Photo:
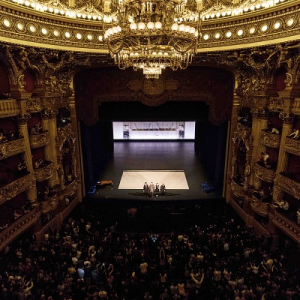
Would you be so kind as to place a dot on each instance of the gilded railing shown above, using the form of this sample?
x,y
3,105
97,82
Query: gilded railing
x,y
49,205
289,185
259,207
11,148
44,173
263,173
287,226
71,188
237,190
292,146
8,108
20,225
39,140
16,187
271,140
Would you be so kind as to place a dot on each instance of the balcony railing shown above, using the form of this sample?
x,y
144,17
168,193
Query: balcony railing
x,y
19,226
49,205
11,148
263,173
237,190
292,146
16,187
289,185
39,140
70,188
287,226
259,207
45,172
8,108
271,140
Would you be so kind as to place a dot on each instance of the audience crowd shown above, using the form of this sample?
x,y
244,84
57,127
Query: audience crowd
x,y
216,258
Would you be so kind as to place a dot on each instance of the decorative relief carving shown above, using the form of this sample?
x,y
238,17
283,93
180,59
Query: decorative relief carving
x,y
12,148
44,173
287,117
39,140
289,185
70,189
292,146
19,226
259,207
32,105
276,103
271,140
237,190
287,226
264,174
16,187
49,205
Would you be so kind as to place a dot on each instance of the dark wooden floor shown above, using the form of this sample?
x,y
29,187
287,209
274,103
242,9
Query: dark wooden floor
x,y
155,155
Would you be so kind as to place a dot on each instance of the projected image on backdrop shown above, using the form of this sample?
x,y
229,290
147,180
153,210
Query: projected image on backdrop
x,y
175,130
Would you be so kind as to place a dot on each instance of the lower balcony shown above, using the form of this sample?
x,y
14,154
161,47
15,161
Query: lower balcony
x,y
44,172
237,189
12,148
15,187
70,188
287,182
49,205
39,140
19,226
263,173
271,140
259,207
292,146
288,226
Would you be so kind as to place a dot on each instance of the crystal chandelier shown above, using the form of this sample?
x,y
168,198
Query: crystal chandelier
x,y
154,35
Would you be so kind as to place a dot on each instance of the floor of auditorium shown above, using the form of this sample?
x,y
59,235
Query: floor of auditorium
x,y
158,155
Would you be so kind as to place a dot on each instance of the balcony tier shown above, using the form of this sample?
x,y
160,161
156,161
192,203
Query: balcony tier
x,y
271,140
16,187
39,140
259,207
19,226
289,185
49,205
237,190
287,226
9,108
12,148
71,188
44,173
264,173
292,146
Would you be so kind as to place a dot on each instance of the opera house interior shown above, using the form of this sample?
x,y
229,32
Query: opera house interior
x,y
94,93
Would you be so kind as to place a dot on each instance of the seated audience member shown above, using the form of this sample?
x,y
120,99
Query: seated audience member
x,y
295,134
3,137
275,130
284,205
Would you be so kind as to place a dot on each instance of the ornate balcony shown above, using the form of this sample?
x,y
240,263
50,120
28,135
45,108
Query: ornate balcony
x,y
49,205
39,140
71,188
259,207
12,148
263,173
271,140
8,108
292,146
45,172
237,190
16,187
287,226
289,185
19,226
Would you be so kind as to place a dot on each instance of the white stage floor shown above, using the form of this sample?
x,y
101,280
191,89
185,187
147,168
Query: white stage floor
x,y
134,180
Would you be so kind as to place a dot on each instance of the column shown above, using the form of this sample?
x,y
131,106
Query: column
x,y
49,124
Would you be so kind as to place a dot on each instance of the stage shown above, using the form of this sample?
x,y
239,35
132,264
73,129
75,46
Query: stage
x,y
162,160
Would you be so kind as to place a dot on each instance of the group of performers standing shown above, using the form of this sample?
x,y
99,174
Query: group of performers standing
x,y
154,190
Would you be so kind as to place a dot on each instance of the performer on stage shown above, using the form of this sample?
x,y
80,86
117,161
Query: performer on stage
x,y
157,188
151,189
163,189
146,189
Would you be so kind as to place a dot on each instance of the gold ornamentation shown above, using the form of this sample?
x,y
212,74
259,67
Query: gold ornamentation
x,y
12,148
259,207
39,140
49,205
16,187
33,105
9,108
154,87
23,119
289,185
292,146
44,173
264,174
238,190
271,140
70,189
287,117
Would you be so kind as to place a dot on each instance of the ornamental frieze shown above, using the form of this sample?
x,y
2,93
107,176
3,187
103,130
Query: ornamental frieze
x,y
263,173
9,108
11,148
30,105
16,187
271,140
39,140
19,226
289,185
292,146
44,173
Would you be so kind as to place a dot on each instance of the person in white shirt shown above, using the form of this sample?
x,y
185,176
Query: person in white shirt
x,y
295,134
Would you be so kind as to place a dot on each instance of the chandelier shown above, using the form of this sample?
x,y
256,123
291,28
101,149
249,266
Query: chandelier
x,y
154,35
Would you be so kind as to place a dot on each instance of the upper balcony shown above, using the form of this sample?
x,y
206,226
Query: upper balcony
x,y
11,148
289,227
39,140
287,182
44,172
15,187
19,226
292,146
260,207
9,108
270,139
263,173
